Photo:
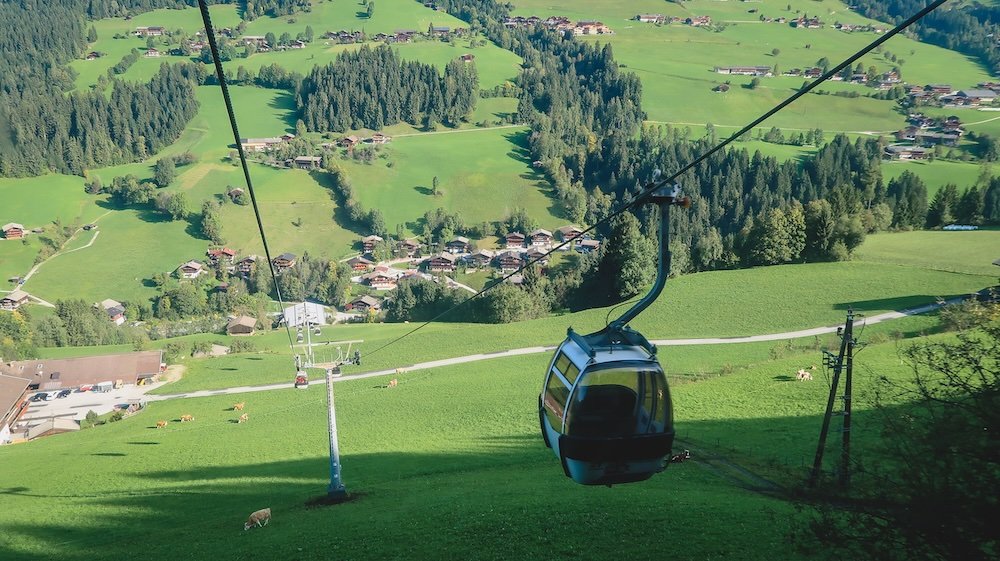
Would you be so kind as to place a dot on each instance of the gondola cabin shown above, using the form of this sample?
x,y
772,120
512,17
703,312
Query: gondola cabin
x,y
605,408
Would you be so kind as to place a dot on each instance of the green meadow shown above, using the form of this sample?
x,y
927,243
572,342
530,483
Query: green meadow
x,y
961,252
460,441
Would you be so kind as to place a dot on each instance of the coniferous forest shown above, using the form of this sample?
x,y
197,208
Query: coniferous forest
x,y
372,88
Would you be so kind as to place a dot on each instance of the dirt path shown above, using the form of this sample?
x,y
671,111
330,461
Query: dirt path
x,y
61,252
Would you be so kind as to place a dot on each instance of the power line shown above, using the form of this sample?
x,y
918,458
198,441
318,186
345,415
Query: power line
x,y
220,74
656,184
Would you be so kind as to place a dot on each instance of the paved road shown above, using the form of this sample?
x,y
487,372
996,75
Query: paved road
x,y
547,349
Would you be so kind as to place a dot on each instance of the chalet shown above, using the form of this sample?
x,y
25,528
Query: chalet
x,y
468,57
404,35
13,400
804,22
150,31
348,142
14,300
570,232
536,253
368,243
114,309
591,28
698,21
380,279
297,44
364,303
514,240
255,40
222,255
222,287
360,263
745,70
651,18
284,261
246,265
509,261
444,262
516,280
439,31
931,138
307,162
347,37
153,53
379,138
942,89
521,21
559,23
241,325
901,152
460,244
587,246
62,373
190,270
721,88
409,247
13,231
814,72
540,237
481,258
235,194
260,144
977,97
93,55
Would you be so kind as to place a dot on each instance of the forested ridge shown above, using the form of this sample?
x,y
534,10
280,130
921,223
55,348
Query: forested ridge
x,y
372,88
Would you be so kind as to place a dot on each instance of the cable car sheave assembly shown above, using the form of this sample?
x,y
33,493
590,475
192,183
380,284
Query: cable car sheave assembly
x,y
605,406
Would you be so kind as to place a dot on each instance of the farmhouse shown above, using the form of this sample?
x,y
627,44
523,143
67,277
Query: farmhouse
x,y
481,258
348,141
460,244
570,232
509,261
307,162
241,325
93,55
284,261
698,21
436,30
587,246
246,265
151,31
805,22
13,231
540,237
404,35
13,402
153,53
54,374
468,57
409,247
651,18
591,28
260,144
536,253
222,255
380,279
368,243
442,263
514,240
379,138
977,97
114,309
360,263
901,152
364,303
745,70
235,194
14,300
190,270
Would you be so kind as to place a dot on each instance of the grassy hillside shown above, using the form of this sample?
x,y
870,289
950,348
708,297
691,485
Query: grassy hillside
x,y
459,441
963,252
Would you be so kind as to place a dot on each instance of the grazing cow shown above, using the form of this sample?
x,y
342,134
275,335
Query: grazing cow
x,y
678,458
803,375
392,383
259,518
185,418
243,418
239,406
161,424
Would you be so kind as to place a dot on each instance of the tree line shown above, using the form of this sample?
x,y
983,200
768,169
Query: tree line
x,y
372,88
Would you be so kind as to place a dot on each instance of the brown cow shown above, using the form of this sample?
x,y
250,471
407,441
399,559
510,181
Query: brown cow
x,y
239,406
259,518
392,383
185,418
803,375
243,418
161,424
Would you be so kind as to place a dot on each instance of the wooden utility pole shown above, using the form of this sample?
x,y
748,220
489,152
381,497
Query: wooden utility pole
x,y
838,363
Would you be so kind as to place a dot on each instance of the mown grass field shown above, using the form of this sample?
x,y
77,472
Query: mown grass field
x,y
675,62
963,252
457,441
494,64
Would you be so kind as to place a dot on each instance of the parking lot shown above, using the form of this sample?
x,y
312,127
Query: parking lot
x,y
77,404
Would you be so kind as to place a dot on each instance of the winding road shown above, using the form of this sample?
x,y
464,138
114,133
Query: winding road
x,y
547,349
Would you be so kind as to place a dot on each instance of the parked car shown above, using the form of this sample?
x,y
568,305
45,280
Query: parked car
x,y
64,393
40,396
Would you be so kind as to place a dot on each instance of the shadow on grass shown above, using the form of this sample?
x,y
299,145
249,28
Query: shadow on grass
x,y
896,303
